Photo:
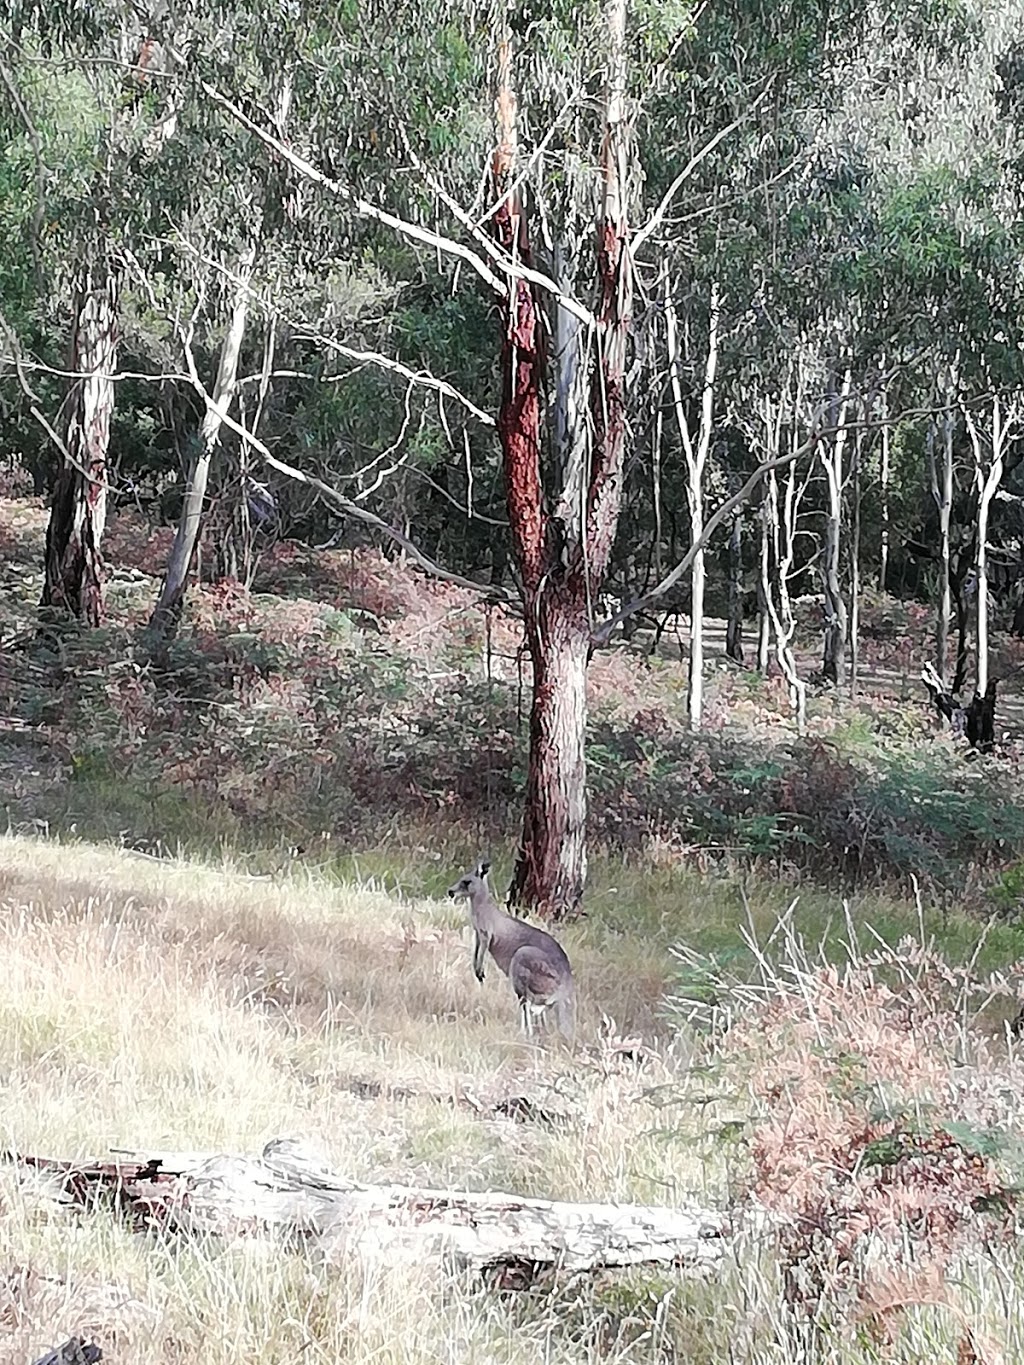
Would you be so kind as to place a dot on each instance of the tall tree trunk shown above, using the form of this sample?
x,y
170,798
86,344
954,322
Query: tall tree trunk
x,y
734,626
988,476
255,512
549,820
696,453
163,623
883,558
551,868
562,554
659,431
834,657
73,567
858,450
764,619
942,493
782,511
964,612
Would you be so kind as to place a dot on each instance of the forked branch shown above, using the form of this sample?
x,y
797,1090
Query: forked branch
x,y
342,504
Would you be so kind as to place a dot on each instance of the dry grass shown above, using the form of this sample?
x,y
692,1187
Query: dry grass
x,y
171,1006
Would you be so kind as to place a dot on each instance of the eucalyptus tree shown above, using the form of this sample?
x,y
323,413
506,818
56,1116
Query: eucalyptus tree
x,y
586,164
565,157
77,82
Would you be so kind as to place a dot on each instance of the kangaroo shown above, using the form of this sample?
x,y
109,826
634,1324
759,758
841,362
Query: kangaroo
x,y
531,959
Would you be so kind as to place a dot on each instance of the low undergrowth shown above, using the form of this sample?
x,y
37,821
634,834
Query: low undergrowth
x,y
879,1114
292,724
348,700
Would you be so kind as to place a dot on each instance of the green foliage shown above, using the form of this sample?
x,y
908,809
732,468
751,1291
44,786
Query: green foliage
x,y
1007,891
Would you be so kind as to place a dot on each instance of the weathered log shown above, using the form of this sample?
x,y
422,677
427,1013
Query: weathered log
x,y
291,1193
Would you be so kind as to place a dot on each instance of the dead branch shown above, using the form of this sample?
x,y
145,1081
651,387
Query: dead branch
x,y
604,632
304,332
73,1352
514,270
344,505
289,1192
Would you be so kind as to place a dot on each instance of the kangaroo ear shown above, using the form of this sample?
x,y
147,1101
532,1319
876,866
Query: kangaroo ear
x,y
484,868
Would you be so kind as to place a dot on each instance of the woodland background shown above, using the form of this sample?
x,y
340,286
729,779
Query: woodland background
x,y
589,435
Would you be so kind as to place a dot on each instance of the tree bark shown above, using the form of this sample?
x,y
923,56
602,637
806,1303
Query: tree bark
x,y
854,632
73,567
780,511
163,623
764,619
696,454
988,477
883,559
734,626
834,656
542,877
562,554
551,869
942,494
782,514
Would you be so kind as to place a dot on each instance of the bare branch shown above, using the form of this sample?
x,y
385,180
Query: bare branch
x,y
604,632
658,216
20,366
363,207
421,377
515,268
345,505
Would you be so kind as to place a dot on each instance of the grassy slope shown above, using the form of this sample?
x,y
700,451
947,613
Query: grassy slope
x,y
183,1006
186,1007
160,1005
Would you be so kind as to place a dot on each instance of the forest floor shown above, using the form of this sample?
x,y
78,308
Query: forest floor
x,y
222,921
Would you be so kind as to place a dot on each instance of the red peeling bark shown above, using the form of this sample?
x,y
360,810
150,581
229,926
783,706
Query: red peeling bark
x,y
562,558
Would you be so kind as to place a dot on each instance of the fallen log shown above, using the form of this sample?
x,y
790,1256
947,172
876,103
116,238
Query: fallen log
x,y
289,1192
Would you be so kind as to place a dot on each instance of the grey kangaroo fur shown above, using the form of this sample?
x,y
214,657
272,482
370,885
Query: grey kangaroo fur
x,y
532,960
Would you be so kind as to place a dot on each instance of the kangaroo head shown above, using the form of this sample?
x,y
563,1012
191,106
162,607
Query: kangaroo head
x,y
472,882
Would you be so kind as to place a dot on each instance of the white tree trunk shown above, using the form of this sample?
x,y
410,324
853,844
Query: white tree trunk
x,y
783,513
73,564
834,659
166,613
883,564
764,619
780,509
696,454
988,473
942,493
854,630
